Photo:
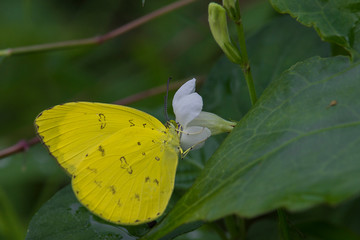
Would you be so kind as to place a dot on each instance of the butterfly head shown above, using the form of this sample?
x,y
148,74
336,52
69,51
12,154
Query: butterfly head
x,y
176,126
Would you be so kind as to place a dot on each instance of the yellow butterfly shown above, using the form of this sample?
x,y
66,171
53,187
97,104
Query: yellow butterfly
x,y
122,160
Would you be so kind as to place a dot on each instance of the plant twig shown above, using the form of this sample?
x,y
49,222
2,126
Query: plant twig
x,y
245,61
24,145
97,39
21,146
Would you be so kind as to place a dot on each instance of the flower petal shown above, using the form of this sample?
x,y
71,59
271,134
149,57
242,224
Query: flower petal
x,y
186,89
188,108
187,104
194,137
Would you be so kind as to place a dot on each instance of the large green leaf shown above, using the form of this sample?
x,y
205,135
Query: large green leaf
x,y
63,217
334,20
297,147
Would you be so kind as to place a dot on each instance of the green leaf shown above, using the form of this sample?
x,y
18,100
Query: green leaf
x,y
63,217
296,148
334,20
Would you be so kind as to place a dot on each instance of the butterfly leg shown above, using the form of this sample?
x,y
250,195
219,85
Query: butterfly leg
x,y
184,153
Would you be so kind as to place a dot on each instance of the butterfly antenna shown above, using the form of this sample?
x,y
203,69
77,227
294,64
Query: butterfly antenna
x,y
166,100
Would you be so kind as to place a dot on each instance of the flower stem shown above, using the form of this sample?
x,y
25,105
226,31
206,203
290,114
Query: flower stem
x,y
245,65
283,225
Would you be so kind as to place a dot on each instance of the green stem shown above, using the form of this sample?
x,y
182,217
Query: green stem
x,y
242,43
283,225
97,39
230,223
250,83
218,230
245,61
235,226
242,227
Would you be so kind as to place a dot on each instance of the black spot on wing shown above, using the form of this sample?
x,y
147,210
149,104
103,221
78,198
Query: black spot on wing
x,y
137,196
125,165
94,170
156,182
101,150
98,183
112,189
102,120
131,121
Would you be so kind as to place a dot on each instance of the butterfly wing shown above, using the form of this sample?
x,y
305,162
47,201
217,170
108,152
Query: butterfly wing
x,y
122,160
73,129
129,178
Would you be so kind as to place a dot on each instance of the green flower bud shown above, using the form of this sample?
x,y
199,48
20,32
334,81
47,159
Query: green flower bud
x,y
213,122
219,30
233,9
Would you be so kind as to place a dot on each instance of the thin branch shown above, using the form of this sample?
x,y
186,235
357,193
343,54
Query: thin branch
x,y
21,146
24,145
97,39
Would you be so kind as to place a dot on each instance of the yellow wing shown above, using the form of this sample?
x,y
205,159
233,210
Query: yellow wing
x,y
122,161
129,178
73,129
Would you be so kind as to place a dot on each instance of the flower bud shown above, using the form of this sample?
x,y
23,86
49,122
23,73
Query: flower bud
x,y
233,9
219,30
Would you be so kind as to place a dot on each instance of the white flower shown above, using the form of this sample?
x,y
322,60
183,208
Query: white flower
x,y
195,126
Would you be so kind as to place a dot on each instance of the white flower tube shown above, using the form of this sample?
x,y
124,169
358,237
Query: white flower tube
x,y
196,126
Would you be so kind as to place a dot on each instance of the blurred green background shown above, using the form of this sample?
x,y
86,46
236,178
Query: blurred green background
x,y
178,44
